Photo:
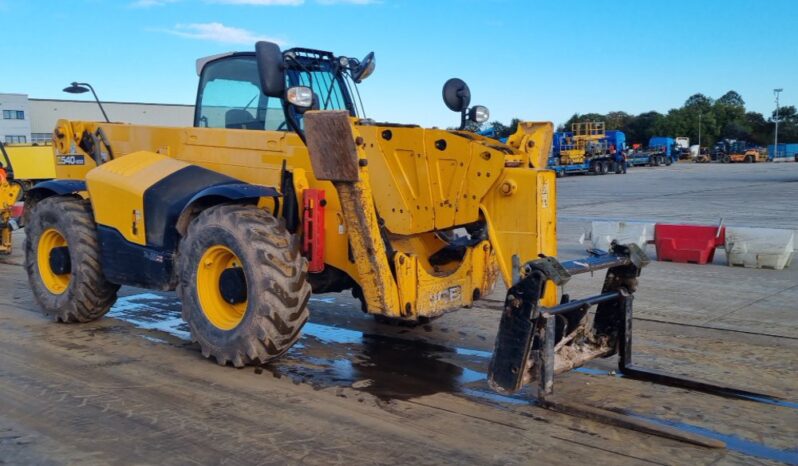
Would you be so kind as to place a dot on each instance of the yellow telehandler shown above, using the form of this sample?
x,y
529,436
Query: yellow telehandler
x,y
10,193
283,187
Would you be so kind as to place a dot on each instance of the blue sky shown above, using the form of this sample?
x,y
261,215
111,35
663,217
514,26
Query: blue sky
x,y
532,59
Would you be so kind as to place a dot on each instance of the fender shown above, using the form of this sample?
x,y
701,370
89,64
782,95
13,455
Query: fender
x,y
232,192
56,188
191,187
235,192
168,204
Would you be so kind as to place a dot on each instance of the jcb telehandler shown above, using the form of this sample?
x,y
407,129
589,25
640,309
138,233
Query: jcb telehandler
x,y
10,192
284,187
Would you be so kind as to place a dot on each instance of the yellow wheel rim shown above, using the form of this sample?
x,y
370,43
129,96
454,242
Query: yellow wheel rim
x,y
217,310
51,239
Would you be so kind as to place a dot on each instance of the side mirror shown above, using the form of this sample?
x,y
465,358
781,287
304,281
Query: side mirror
x,y
365,69
456,95
270,68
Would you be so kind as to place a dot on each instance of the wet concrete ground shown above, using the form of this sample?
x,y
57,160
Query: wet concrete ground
x,y
132,388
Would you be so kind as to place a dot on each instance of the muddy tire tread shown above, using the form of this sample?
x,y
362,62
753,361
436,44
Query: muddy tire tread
x,y
275,315
89,295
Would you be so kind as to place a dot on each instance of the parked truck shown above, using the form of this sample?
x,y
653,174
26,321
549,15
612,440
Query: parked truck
x,y
587,149
785,151
660,151
681,148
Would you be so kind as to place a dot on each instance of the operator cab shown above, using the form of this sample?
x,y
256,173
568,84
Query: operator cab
x,y
270,90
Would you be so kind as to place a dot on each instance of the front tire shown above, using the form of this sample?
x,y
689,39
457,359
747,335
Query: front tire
x,y
243,285
62,260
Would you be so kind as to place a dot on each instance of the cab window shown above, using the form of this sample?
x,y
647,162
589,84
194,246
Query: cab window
x,y
230,97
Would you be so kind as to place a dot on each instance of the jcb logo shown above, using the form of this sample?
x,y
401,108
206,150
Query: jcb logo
x,y
449,295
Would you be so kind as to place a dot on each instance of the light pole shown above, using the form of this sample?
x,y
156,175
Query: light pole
x,y
776,135
80,88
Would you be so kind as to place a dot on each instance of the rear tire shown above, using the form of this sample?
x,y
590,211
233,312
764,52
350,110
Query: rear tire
x,y
264,320
62,259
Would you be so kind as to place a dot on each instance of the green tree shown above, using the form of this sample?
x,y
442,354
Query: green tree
x,y
577,118
788,124
725,117
732,99
640,129
760,130
500,130
617,120
729,113
698,101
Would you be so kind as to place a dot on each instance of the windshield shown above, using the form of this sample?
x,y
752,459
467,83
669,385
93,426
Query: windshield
x,y
330,82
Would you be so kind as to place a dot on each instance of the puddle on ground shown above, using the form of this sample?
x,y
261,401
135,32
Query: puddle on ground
x,y
152,312
388,368
733,442
392,368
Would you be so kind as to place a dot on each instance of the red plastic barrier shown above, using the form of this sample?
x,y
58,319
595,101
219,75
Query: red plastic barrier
x,y
687,243
17,209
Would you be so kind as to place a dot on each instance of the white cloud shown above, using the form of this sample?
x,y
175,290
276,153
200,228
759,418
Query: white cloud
x,y
261,2
218,32
149,3
153,3
348,2
288,2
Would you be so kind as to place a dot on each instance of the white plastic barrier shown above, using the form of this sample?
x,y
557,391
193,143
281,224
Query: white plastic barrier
x,y
759,247
602,233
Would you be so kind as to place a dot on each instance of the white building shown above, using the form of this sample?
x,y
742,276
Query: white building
x,y
26,120
15,125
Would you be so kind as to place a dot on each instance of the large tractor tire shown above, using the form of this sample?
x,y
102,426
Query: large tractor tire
x,y
243,285
62,259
